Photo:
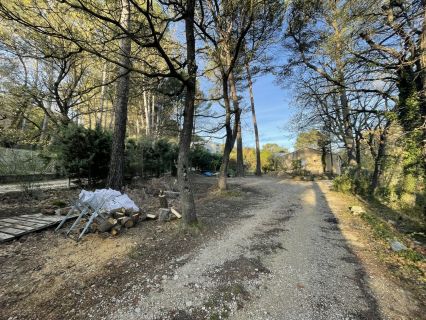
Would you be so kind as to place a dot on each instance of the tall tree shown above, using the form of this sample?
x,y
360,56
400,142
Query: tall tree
x,y
116,166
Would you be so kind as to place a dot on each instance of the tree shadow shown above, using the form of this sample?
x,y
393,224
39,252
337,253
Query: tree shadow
x,y
331,232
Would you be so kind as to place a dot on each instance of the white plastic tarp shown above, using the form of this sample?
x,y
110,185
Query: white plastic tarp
x,y
107,200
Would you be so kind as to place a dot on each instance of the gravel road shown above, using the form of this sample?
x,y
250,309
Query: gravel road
x,y
284,259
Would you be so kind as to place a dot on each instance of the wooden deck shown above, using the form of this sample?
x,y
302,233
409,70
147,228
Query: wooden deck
x,y
14,227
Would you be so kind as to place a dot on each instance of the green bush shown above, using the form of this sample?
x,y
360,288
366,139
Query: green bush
x,y
83,153
148,158
204,160
343,183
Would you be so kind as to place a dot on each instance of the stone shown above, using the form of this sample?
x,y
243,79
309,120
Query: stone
x,y
356,210
397,246
392,223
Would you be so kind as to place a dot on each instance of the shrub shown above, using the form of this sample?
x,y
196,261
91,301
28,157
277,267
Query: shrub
x,y
343,183
202,159
83,153
147,157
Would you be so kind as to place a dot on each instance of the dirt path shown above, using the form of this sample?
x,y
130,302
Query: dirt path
x,y
286,258
43,185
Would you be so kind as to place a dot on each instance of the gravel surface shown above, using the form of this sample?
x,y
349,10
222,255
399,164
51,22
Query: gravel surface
x,y
284,259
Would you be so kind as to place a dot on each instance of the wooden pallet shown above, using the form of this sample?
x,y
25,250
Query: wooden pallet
x,y
14,227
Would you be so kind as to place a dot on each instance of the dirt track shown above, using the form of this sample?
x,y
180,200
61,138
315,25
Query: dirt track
x,y
286,258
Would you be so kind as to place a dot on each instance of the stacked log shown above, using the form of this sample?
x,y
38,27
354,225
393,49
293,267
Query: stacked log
x,y
116,221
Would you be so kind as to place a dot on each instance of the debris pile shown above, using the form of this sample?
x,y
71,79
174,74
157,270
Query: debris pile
x,y
108,210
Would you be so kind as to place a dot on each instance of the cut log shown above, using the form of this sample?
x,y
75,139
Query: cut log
x,y
176,213
171,194
118,214
129,224
106,225
163,201
94,227
129,212
151,216
116,230
142,216
122,220
135,217
164,214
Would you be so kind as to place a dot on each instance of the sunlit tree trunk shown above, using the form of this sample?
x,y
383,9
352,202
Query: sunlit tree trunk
x,y
147,114
254,120
235,102
102,101
231,134
115,175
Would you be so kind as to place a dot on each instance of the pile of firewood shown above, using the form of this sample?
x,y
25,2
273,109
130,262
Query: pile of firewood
x,y
115,221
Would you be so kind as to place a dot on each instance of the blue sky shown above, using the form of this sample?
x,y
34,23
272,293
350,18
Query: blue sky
x,y
273,112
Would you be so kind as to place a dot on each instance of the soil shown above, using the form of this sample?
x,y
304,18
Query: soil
x,y
267,249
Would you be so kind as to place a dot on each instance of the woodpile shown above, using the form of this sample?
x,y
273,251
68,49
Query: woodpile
x,y
116,221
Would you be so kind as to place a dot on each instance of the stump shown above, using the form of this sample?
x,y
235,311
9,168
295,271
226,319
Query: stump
x,y
163,201
164,214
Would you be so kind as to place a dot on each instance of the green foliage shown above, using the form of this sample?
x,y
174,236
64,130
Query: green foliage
x,y
269,156
203,160
149,158
310,139
343,183
83,153
381,229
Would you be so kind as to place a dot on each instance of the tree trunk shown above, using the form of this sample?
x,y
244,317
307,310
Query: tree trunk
x,y
147,114
423,87
101,107
240,156
115,175
49,103
253,116
378,160
231,134
358,150
184,178
153,111
236,104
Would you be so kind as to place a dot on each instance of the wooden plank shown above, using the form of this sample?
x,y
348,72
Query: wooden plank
x,y
18,226
42,217
24,222
4,236
11,228
12,231
175,212
38,219
35,223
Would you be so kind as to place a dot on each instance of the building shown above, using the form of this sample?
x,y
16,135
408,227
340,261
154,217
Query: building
x,y
310,160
